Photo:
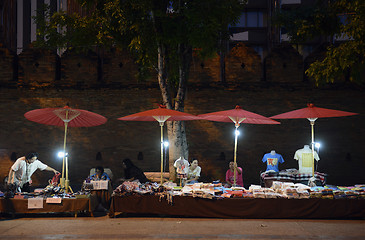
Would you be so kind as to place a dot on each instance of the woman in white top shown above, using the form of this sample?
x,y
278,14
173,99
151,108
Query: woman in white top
x,y
193,172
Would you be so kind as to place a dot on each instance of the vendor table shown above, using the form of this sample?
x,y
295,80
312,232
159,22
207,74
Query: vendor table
x,y
13,206
268,178
100,196
239,207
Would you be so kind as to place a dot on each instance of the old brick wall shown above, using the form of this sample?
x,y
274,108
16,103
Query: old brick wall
x,y
7,59
80,70
211,142
243,65
36,68
119,68
204,72
284,64
342,138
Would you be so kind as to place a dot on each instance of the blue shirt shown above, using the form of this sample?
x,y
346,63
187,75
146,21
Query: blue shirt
x,y
104,176
272,161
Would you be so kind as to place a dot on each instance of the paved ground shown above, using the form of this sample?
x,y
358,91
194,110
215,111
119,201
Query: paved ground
x,y
138,227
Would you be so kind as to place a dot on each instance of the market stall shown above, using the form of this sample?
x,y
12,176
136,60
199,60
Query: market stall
x,y
267,178
281,200
239,207
45,205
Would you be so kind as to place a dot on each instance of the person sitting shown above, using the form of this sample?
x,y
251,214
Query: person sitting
x,y
230,175
99,174
103,197
132,172
193,172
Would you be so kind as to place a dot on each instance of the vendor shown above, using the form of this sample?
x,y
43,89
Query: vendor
x,y
230,175
22,170
99,174
132,172
193,172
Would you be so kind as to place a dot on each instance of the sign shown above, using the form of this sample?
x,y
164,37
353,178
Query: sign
x,y
35,203
100,185
54,200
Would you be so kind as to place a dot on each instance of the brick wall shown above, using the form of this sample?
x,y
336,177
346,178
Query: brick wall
x,y
342,138
243,65
80,70
284,64
211,142
6,67
37,68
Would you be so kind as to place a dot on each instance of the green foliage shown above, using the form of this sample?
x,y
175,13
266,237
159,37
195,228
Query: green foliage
x,y
141,26
307,22
64,31
324,19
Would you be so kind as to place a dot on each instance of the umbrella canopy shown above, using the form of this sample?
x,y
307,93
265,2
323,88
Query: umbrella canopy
x,y
312,113
237,116
65,117
161,115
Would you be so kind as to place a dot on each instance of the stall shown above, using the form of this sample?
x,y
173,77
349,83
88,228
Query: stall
x,y
281,200
267,178
188,206
44,205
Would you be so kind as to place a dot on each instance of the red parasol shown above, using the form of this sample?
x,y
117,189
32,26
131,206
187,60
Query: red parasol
x,y
312,113
65,117
161,115
237,116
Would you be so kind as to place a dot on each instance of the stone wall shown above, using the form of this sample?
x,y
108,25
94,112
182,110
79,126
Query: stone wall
x,y
110,88
284,64
37,68
243,65
342,138
42,68
7,59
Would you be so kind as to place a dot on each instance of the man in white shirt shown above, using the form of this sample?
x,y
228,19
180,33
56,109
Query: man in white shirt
x,y
22,170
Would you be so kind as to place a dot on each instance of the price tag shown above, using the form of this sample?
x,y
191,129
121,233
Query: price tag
x,y
100,184
54,200
35,203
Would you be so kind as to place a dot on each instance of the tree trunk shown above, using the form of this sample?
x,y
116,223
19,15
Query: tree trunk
x,y
176,130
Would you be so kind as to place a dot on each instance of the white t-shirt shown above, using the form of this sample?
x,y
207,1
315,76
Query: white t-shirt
x,y
24,171
182,166
305,160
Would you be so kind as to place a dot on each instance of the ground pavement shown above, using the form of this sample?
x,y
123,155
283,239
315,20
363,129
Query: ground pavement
x,y
152,227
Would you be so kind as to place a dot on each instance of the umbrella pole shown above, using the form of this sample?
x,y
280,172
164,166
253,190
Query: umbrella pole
x,y
161,126
235,156
62,180
67,181
312,130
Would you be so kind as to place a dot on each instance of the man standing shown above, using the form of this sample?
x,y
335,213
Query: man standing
x,y
22,170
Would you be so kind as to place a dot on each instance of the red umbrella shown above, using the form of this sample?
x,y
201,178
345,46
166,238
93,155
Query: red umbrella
x,y
312,113
161,115
65,117
237,116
